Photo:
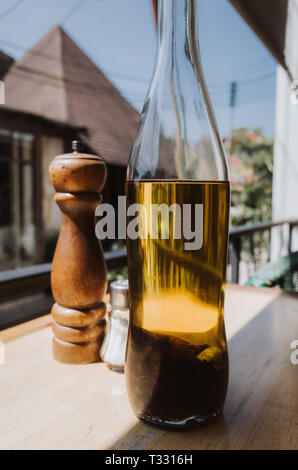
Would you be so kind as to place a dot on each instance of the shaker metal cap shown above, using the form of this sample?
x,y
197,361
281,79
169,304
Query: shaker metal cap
x,y
119,294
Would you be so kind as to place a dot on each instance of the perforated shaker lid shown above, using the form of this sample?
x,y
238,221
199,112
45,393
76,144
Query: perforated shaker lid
x,y
119,294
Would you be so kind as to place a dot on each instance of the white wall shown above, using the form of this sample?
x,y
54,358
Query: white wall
x,y
285,184
51,147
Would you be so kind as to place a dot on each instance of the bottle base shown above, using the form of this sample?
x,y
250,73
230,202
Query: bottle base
x,y
191,421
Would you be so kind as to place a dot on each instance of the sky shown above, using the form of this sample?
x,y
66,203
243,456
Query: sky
x,y
119,36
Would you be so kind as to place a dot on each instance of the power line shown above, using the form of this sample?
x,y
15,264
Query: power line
x,y
53,77
247,81
244,94
242,102
213,88
83,66
94,90
10,10
86,86
93,69
144,81
255,100
243,68
76,87
91,91
252,65
258,79
72,11
72,62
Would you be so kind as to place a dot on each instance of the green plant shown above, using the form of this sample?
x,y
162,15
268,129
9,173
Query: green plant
x,y
251,167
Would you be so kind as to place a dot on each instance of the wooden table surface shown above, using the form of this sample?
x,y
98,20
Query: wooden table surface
x,y
47,405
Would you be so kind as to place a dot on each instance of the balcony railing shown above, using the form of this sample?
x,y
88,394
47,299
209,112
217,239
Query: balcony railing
x,y
247,233
30,281
25,293
26,281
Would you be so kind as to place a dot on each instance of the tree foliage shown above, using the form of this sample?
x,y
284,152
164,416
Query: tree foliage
x,y
251,167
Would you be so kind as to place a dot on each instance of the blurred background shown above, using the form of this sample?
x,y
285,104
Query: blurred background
x,y
81,69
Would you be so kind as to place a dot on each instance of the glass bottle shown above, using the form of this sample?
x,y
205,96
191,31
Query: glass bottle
x,y
177,360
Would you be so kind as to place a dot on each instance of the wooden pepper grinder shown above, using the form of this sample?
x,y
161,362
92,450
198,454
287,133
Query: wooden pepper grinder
x,y
79,276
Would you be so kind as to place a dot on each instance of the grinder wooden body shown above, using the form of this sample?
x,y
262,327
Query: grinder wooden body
x,y
79,278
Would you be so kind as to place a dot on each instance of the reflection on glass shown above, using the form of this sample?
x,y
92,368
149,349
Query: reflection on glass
x,y
177,360
17,231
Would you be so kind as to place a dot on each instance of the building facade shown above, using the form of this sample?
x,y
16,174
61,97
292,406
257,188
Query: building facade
x,y
54,94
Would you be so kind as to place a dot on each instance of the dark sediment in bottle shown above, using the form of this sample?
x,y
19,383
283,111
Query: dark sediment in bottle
x,y
171,381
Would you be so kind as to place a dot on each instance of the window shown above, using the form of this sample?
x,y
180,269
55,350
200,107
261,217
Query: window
x,y
17,230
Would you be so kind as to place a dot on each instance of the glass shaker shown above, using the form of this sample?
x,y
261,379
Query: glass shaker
x,y
114,344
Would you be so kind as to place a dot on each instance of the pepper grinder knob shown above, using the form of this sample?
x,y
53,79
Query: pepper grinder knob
x,y
76,146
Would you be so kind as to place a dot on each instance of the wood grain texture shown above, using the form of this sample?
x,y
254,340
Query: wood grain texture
x,y
25,328
48,405
79,275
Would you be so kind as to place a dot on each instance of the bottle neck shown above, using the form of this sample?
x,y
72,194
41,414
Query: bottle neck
x,y
178,136
178,38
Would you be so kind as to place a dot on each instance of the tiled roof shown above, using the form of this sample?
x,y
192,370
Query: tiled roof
x,y
5,63
57,80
